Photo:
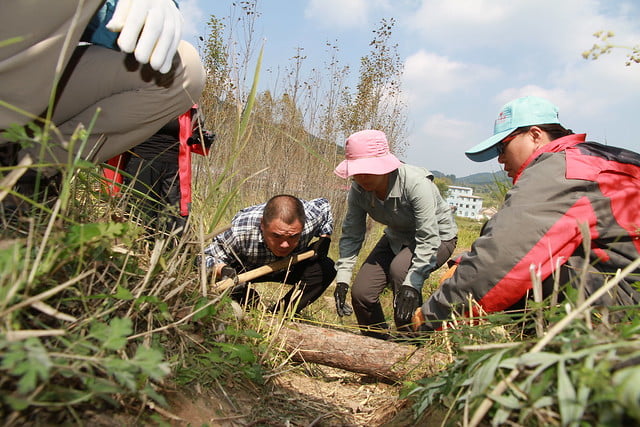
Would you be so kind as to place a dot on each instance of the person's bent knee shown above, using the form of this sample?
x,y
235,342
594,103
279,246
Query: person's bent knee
x,y
361,295
194,74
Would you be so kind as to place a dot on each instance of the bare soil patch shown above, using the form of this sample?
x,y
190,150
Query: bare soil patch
x,y
310,395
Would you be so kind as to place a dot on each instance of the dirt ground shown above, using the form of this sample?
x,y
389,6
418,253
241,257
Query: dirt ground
x,y
321,396
303,395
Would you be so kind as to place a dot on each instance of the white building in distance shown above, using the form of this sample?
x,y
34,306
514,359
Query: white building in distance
x,y
463,202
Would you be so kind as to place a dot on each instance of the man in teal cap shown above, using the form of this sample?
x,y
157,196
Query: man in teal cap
x,y
560,184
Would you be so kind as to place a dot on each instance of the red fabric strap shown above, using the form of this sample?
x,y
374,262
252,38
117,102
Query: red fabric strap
x,y
113,178
184,162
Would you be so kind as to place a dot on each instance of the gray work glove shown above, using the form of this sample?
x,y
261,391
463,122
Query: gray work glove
x,y
340,295
407,300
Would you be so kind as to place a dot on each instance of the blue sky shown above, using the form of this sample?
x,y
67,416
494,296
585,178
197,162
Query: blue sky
x,y
464,59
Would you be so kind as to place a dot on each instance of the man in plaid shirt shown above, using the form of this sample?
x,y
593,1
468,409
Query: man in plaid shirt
x,y
267,232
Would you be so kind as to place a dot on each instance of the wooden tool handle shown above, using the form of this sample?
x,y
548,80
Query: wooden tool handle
x,y
265,269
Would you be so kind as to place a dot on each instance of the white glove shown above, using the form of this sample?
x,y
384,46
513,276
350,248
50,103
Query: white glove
x,y
151,29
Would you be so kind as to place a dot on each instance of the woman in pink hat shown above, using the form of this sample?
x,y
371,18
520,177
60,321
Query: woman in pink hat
x,y
420,234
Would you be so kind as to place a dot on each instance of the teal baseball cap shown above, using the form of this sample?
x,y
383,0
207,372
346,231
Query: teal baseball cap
x,y
525,111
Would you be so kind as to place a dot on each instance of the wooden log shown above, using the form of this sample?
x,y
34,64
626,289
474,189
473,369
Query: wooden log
x,y
384,360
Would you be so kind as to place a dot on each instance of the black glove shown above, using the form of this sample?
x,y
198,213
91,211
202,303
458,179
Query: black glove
x,y
228,272
321,247
205,139
407,300
340,295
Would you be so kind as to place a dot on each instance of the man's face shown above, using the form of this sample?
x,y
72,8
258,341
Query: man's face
x,y
281,238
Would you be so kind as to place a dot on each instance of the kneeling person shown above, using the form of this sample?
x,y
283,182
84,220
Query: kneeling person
x,y
561,183
267,232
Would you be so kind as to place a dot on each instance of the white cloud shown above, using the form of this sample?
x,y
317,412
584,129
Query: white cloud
x,y
442,128
338,13
517,28
432,13
345,14
553,95
194,19
428,75
441,137
460,24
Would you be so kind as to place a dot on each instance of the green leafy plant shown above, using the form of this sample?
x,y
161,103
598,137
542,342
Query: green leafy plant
x,y
40,367
573,374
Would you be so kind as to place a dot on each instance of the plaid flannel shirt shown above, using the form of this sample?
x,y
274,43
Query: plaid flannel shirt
x,y
243,246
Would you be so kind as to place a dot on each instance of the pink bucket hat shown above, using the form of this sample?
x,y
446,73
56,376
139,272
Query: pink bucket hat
x,y
367,152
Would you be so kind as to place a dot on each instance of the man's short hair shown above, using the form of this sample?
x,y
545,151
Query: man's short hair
x,y
285,207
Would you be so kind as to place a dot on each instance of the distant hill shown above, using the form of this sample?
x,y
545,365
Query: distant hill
x,y
482,178
477,179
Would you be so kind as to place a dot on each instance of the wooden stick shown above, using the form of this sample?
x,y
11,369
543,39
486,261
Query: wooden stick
x,y
265,269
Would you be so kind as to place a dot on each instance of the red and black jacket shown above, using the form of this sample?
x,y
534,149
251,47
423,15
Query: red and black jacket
x,y
564,184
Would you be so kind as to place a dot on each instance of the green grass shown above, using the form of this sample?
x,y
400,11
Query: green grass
x,y
580,367
468,232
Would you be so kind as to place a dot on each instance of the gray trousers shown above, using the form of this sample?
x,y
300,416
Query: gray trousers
x,y
134,101
381,269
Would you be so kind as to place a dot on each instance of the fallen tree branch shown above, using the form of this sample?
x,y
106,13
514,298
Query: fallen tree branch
x,y
384,360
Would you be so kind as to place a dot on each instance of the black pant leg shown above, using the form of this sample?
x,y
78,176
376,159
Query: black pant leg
x,y
311,277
